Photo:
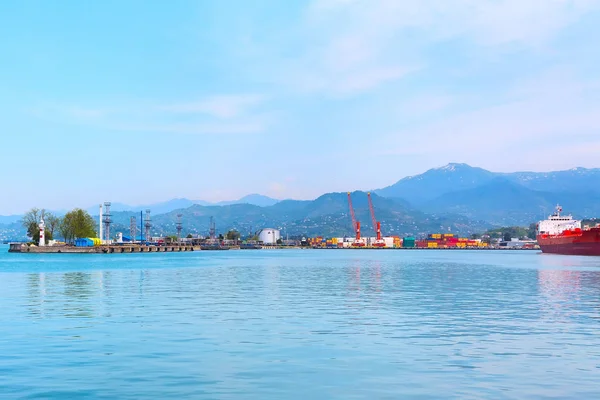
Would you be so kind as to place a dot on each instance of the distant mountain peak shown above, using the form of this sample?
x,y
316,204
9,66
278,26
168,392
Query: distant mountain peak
x,y
453,167
254,199
433,182
579,169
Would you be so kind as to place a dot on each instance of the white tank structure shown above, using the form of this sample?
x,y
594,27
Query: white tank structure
x,y
269,236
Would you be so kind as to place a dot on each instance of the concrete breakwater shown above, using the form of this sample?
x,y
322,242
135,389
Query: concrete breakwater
x,y
105,249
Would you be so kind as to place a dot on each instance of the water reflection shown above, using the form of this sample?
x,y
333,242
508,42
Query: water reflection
x,y
36,290
559,285
568,294
558,261
70,294
364,279
354,283
260,322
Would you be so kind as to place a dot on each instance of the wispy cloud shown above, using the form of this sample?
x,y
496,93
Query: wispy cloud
x,y
220,114
219,128
549,113
68,112
222,106
482,21
344,48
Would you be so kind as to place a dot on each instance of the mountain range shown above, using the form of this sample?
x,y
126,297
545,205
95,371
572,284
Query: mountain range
x,y
517,198
180,203
327,215
455,197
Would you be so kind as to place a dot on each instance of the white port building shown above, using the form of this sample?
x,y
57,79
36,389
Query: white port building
x,y
269,236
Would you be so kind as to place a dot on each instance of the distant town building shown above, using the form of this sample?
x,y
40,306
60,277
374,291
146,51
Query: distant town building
x,y
517,244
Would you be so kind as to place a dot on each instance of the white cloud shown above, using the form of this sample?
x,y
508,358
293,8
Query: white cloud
x,y
483,21
220,114
352,46
540,120
68,112
223,106
246,126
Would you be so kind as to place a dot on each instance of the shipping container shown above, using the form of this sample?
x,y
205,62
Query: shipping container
x,y
84,242
409,242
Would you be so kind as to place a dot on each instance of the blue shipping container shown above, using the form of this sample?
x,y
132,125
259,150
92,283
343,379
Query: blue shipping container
x,y
84,242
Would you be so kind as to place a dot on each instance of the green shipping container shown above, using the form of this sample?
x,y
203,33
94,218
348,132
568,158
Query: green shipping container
x,y
408,242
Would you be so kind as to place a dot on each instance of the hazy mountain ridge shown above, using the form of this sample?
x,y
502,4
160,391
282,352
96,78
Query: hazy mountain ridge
x,y
435,182
457,197
9,219
518,198
327,215
455,177
181,203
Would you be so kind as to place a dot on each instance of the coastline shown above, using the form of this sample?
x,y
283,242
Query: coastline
x,y
112,249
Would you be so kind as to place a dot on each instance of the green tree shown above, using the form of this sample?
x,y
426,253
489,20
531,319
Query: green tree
x,y
507,236
532,231
31,222
52,223
189,236
221,236
77,224
233,235
279,241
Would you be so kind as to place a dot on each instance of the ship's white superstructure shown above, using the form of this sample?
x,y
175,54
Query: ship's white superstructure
x,y
557,224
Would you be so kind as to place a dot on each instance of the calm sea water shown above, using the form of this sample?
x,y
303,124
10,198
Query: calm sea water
x,y
304,324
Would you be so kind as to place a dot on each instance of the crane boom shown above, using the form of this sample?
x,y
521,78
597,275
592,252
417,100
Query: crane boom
x,y
352,212
376,224
373,220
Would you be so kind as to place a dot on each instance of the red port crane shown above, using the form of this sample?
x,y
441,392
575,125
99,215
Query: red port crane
x,y
379,242
358,242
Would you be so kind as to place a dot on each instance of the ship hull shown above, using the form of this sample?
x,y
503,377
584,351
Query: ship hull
x,y
584,243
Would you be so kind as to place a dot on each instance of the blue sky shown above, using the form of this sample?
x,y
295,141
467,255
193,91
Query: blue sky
x,y
138,102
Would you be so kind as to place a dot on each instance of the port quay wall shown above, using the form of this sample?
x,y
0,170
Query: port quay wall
x,y
19,248
100,249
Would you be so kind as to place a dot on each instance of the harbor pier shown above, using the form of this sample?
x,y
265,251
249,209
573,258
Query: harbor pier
x,y
103,249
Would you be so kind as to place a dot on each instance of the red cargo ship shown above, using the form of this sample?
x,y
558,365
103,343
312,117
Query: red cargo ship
x,y
564,235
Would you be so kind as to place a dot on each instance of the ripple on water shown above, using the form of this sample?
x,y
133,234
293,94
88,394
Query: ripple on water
x,y
300,324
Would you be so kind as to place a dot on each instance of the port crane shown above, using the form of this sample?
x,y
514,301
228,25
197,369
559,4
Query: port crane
x,y
379,242
358,242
